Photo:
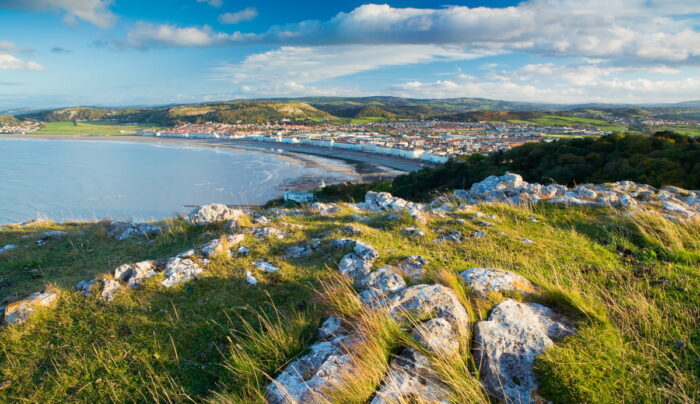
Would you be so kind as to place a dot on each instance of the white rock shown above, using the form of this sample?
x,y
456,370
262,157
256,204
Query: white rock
x,y
413,267
250,278
180,270
325,209
109,288
85,287
506,346
8,248
484,280
213,213
125,230
265,266
410,380
437,335
379,284
354,267
18,312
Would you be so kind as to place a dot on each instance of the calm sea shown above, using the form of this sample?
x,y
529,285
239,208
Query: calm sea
x,y
65,180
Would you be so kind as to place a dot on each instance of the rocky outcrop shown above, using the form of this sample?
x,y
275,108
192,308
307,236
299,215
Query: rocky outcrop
x,y
506,345
179,270
212,214
18,312
220,246
262,233
265,266
300,251
484,280
410,380
325,209
134,274
385,202
511,188
413,268
379,284
125,230
358,264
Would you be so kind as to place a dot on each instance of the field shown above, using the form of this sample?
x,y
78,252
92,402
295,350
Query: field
x,y
688,130
90,128
630,281
556,120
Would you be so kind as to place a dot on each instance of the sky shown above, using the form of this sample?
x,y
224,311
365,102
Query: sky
x,y
57,53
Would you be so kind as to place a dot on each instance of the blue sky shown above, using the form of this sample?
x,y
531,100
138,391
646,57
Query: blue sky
x,y
133,52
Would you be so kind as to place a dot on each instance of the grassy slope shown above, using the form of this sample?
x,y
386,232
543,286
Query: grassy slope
x,y
89,128
632,282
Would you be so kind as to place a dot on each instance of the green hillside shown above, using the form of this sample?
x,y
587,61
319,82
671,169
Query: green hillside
x,y
7,119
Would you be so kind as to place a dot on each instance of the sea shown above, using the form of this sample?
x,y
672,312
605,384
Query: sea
x,y
82,180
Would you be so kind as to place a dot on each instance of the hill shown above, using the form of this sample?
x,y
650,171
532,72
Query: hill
x,y
8,119
603,301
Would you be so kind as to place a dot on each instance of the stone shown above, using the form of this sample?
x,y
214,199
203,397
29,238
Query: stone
x,y
342,243
413,268
300,251
365,251
505,348
676,208
85,287
384,201
261,220
379,284
428,301
354,267
265,266
250,279
325,209
18,312
125,230
134,274
485,280
309,378
109,288
179,270
451,236
212,214
351,230
410,380
262,233
8,248
331,328
412,232
243,250
187,254
533,219
221,245
438,336
526,240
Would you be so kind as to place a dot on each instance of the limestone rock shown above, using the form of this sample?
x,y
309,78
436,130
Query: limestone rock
x,y
262,233
134,274
451,236
354,267
506,346
365,251
212,214
109,288
379,284
180,270
265,266
409,380
413,232
8,248
325,209
309,378
250,278
50,235
18,312
413,267
429,301
437,335
384,201
124,230
331,328
219,246
484,280
86,287
300,251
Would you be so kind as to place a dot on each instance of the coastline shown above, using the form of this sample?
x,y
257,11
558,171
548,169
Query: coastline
x,y
356,166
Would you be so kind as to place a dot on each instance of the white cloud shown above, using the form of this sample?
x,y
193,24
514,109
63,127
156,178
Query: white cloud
x,y
213,3
291,67
145,35
93,11
246,14
7,46
9,62
623,30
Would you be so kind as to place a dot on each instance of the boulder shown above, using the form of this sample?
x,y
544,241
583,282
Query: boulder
x,y
212,214
428,301
410,380
331,328
86,287
300,251
379,284
180,270
265,266
134,274
309,378
109,288
412,232
437,335
506,346
413,268
18,312
451,236
220,245
325,209
365,251
250,278
354,267
125,230
8,248
384,201
484,280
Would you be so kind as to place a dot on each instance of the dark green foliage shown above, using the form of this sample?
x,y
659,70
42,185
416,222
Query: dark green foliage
x,y
665,158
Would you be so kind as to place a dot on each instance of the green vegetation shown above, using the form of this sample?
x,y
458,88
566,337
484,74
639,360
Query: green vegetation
x,y
90,128
7,119
631,282
665,158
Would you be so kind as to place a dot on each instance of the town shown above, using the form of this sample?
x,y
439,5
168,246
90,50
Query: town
x,y
432,141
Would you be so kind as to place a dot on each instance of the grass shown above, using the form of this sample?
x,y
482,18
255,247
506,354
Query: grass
x,y
558,120
631,283
91,128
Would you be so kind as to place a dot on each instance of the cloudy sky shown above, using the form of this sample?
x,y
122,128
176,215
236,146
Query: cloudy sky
x,y
128,52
